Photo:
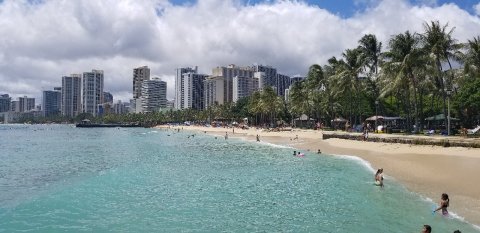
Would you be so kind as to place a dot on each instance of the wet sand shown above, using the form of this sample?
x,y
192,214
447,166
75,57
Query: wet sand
x,y
427,170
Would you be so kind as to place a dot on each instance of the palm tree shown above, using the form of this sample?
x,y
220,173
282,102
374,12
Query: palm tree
x,y
371,50
297,99
471,58
441,46
347,80
313,85
402,70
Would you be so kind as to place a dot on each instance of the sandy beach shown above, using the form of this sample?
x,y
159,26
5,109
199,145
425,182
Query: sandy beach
x,y
427,170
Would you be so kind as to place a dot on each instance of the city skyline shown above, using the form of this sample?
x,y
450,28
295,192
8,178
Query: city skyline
x,y
289,35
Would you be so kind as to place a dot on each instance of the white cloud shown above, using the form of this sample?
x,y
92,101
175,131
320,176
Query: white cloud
x,y
477,8
43,41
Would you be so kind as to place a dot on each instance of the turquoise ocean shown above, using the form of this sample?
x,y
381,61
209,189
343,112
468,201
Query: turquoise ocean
x,y
58,178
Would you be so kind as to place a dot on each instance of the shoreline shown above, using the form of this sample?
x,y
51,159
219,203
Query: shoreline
x,y
426,170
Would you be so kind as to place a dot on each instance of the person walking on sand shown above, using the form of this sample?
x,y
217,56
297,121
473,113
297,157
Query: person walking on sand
x,y
444,203
258,138
379,177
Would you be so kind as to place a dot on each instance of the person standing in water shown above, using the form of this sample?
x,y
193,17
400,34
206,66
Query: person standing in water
x,y
258,138
444,203
226,135
379,177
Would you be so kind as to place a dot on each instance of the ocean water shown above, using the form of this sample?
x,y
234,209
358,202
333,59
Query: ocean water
x,y
57,178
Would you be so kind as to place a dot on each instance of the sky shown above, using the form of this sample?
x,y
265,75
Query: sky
x,y
43,40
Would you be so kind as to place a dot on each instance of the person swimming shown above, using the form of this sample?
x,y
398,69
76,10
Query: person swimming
x,y
379,177
444,203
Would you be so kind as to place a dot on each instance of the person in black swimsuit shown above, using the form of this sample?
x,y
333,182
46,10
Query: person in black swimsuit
x,y
444,203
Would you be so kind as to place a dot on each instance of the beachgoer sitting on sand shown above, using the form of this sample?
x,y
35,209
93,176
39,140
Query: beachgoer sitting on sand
x,y
379,177
427,229
444,203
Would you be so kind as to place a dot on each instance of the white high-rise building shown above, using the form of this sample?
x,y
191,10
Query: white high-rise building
x,y
140,74
154,95
193,90
71,95
92,91
180,87
243,87
214,91
24,104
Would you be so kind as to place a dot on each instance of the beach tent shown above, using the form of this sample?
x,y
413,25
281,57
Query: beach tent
x,y
437,122
303,121
339,123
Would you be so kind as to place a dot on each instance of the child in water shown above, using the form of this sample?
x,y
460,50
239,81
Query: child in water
x,y
444,203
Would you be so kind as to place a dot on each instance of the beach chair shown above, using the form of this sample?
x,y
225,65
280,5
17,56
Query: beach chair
x,y
473,131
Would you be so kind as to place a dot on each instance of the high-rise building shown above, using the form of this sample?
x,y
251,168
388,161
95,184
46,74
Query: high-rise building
x,y
140,74
193,90
132,106
25,104
154,95
180,85
170,104
227,73
51,103
296,78
293,80
71,104
92,91
283,83
119,108
269,76
107,97
214,91
243,87
15,106
5,101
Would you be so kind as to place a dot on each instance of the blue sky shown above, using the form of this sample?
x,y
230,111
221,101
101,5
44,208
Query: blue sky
x,y
347,8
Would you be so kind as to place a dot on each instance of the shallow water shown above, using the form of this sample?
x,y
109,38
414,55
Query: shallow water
x,y
59,178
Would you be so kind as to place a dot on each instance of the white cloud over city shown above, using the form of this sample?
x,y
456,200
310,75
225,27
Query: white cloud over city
x,y
44,40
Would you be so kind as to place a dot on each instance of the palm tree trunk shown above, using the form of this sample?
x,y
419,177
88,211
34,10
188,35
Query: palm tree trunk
x,y
444,95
